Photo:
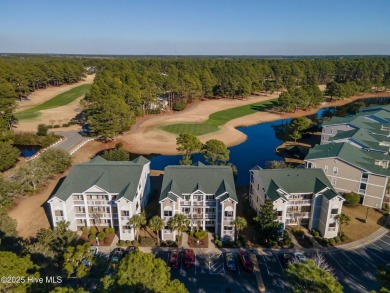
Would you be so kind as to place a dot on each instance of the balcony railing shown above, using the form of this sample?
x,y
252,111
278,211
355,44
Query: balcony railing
x,y
229,232
210,216
60,218
125,218
80,215
97,202
297,215
167,231
332,229
185,203
280,218
211,203
197,203
228,218
197,216
167,218
300,202
364,180
362,191
126,231
78,202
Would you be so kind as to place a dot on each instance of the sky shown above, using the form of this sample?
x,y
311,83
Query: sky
x,y
197,27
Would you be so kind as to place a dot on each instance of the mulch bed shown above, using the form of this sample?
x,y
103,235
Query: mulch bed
x,y
193,242
106,241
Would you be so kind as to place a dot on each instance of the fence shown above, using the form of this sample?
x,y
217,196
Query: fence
x,y
75,149
45,149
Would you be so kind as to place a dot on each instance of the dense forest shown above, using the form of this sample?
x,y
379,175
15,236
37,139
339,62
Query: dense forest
x,y
126,88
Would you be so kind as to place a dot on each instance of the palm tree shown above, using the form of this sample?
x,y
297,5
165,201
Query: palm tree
x,y
240,223
137,221
179,223
341,220
157,224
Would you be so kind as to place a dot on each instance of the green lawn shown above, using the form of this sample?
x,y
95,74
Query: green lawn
x,y
57,101
219,118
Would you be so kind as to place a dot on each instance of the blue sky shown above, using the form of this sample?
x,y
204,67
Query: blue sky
x,y
197,27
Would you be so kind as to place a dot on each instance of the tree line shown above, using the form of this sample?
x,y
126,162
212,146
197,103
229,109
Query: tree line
x,y
126,88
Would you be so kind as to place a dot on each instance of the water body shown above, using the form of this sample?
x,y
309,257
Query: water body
x,y
28,150
262,141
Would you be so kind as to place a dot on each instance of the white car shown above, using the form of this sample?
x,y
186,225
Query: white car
x,y
299,257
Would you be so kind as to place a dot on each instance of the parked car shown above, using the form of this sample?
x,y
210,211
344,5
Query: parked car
x,y
299,257
231,263
116,255
189,258
174,259
246,261
287,258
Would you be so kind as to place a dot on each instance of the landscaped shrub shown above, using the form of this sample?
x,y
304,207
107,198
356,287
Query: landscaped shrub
x,y
93,230
332,241
147,241
343,238
386,207
337,239
101,236
298,232
179,105
128,242
92,237
192,232
134,242
42,130
56,126
121,243
85,230
106,230
201,234
219,243
273,243
352,199
314,232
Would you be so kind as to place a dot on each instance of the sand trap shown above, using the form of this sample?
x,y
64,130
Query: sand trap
x,y
146,137
59,115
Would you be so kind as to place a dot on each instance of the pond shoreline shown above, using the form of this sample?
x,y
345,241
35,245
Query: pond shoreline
x,y
150,139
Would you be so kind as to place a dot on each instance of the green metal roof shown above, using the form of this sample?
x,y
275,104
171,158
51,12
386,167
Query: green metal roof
x,y
358,157
338,120
121,177
294,181
343,134
187,179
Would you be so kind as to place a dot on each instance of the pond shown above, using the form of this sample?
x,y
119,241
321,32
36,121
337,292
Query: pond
x,y
28,150
262,141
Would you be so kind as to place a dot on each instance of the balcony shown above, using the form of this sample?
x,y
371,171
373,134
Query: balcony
x,y
228,232
185,203
211,203
78,202
364,180
362,191
60,218
167,218
300,202
167,231
280,218
197,216
228,219
97,202
197,203
80,215
332,229
125,218
126,231
210,216
301,215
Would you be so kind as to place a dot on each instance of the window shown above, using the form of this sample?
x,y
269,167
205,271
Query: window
x,y
334,211
210,197
257,199
186,210
332,224
258,186
210,210
326,169
210,223
308,165
252,180
228,213
228,228
334,180
167,213
331,130
335,170
280,213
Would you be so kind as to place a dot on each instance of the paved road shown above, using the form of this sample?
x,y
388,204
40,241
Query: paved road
x,y
71,139
355,269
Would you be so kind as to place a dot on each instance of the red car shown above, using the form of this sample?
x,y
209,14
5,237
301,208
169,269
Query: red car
x,y
189,258
246,261
174,259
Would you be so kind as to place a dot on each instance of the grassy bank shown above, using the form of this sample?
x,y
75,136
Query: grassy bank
x,y
58,101
219,118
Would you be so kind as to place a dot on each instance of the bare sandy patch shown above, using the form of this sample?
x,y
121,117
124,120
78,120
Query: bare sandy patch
x,y
148,138
40,96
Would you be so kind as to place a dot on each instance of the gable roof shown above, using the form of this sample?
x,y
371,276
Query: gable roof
x,y
294,181
360,158
121,177
187,179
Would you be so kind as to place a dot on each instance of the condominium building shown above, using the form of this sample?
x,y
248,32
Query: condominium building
x,y
102,193
349,168
300,196
205,194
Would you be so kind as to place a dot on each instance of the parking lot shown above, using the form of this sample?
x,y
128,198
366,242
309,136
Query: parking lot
x,y
355,269
209,274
